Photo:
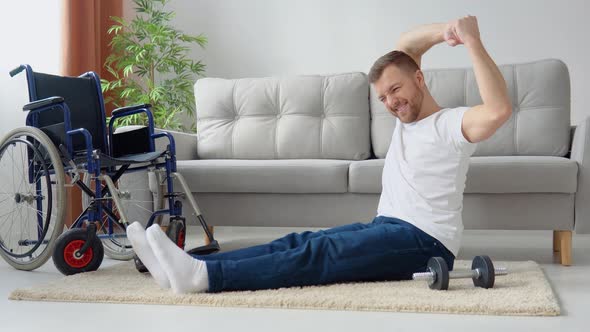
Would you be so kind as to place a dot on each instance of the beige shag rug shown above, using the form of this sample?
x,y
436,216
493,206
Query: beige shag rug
x,y
525,291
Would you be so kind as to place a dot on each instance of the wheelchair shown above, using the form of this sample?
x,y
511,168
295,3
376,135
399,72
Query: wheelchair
x,y
66,139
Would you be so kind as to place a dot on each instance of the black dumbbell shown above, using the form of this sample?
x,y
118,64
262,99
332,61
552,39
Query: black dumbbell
x,y
482,273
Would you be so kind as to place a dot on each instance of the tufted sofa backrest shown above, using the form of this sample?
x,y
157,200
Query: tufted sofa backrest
x,y
303,117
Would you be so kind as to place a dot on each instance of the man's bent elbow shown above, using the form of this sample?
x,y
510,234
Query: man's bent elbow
x,y
500,114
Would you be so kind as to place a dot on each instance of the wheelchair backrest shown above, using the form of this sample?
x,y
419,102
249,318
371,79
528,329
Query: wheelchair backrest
x,y
84,99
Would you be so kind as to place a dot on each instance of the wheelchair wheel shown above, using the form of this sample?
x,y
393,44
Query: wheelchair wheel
x,y
32,197
67,258
139,198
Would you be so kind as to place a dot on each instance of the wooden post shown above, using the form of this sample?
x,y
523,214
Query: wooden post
x,y
562,244
556,244
565,239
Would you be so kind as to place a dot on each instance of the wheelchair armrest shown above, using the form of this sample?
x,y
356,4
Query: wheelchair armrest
x,y
130,110
122,110
52,104
88,140
42,103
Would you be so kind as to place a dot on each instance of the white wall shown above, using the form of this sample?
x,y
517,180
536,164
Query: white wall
x,y
257,38
254,38
31,34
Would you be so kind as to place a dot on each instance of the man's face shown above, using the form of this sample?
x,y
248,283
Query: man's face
x,y
400,92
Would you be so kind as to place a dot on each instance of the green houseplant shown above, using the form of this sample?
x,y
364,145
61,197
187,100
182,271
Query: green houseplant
x,y
150,65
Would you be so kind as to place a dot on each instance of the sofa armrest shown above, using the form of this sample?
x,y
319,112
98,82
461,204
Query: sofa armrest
x,y
580,152
186,144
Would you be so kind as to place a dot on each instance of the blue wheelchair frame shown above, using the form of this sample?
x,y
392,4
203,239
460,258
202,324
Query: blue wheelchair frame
x,y
93,165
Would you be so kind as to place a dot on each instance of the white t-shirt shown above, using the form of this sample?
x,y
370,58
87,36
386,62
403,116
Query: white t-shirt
x,y
424,175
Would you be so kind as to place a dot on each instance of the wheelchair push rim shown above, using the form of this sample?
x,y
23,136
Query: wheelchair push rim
x,y
32,197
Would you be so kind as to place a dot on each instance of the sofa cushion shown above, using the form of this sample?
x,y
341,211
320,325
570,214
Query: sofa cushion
x,y
502,174
266,176
524,174
540,121
297,117
365,176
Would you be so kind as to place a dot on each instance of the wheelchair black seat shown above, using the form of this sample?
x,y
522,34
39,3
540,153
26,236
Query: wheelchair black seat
x,y
138,158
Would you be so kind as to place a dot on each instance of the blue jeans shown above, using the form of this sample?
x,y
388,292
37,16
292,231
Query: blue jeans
x,y
383,249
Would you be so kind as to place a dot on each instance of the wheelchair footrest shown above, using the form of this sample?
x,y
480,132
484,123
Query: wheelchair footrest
x,y
206,249
139,265
203,250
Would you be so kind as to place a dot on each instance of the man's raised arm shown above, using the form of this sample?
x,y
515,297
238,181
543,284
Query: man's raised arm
x,y
421,38
481,121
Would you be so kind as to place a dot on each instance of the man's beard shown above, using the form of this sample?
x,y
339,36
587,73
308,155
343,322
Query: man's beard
x,y
415,104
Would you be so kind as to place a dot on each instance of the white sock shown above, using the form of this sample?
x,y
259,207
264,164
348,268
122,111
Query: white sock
x,y
137,236
186,274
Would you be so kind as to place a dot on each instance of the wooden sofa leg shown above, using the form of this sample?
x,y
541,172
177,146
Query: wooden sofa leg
x,y
556,242
206,237
565,247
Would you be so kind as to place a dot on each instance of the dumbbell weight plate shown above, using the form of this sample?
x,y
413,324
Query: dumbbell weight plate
x,y
487,274
439,267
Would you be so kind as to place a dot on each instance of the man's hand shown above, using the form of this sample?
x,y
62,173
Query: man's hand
x,y
461,31
421,38
467,29
450,35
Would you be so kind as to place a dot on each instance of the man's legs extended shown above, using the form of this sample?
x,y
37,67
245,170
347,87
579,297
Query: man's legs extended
x,y
387,249
286,242
138,237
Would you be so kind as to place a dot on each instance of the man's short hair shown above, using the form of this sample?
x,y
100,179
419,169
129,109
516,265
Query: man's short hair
x,y
397,58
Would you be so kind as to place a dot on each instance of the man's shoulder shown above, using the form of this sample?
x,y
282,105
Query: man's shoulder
x,y
449,116
450,111
449,123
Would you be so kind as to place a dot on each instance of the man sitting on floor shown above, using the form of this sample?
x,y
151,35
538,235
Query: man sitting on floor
x,y
419,212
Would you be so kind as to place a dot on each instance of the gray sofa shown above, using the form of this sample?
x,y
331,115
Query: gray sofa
x,y
309,151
